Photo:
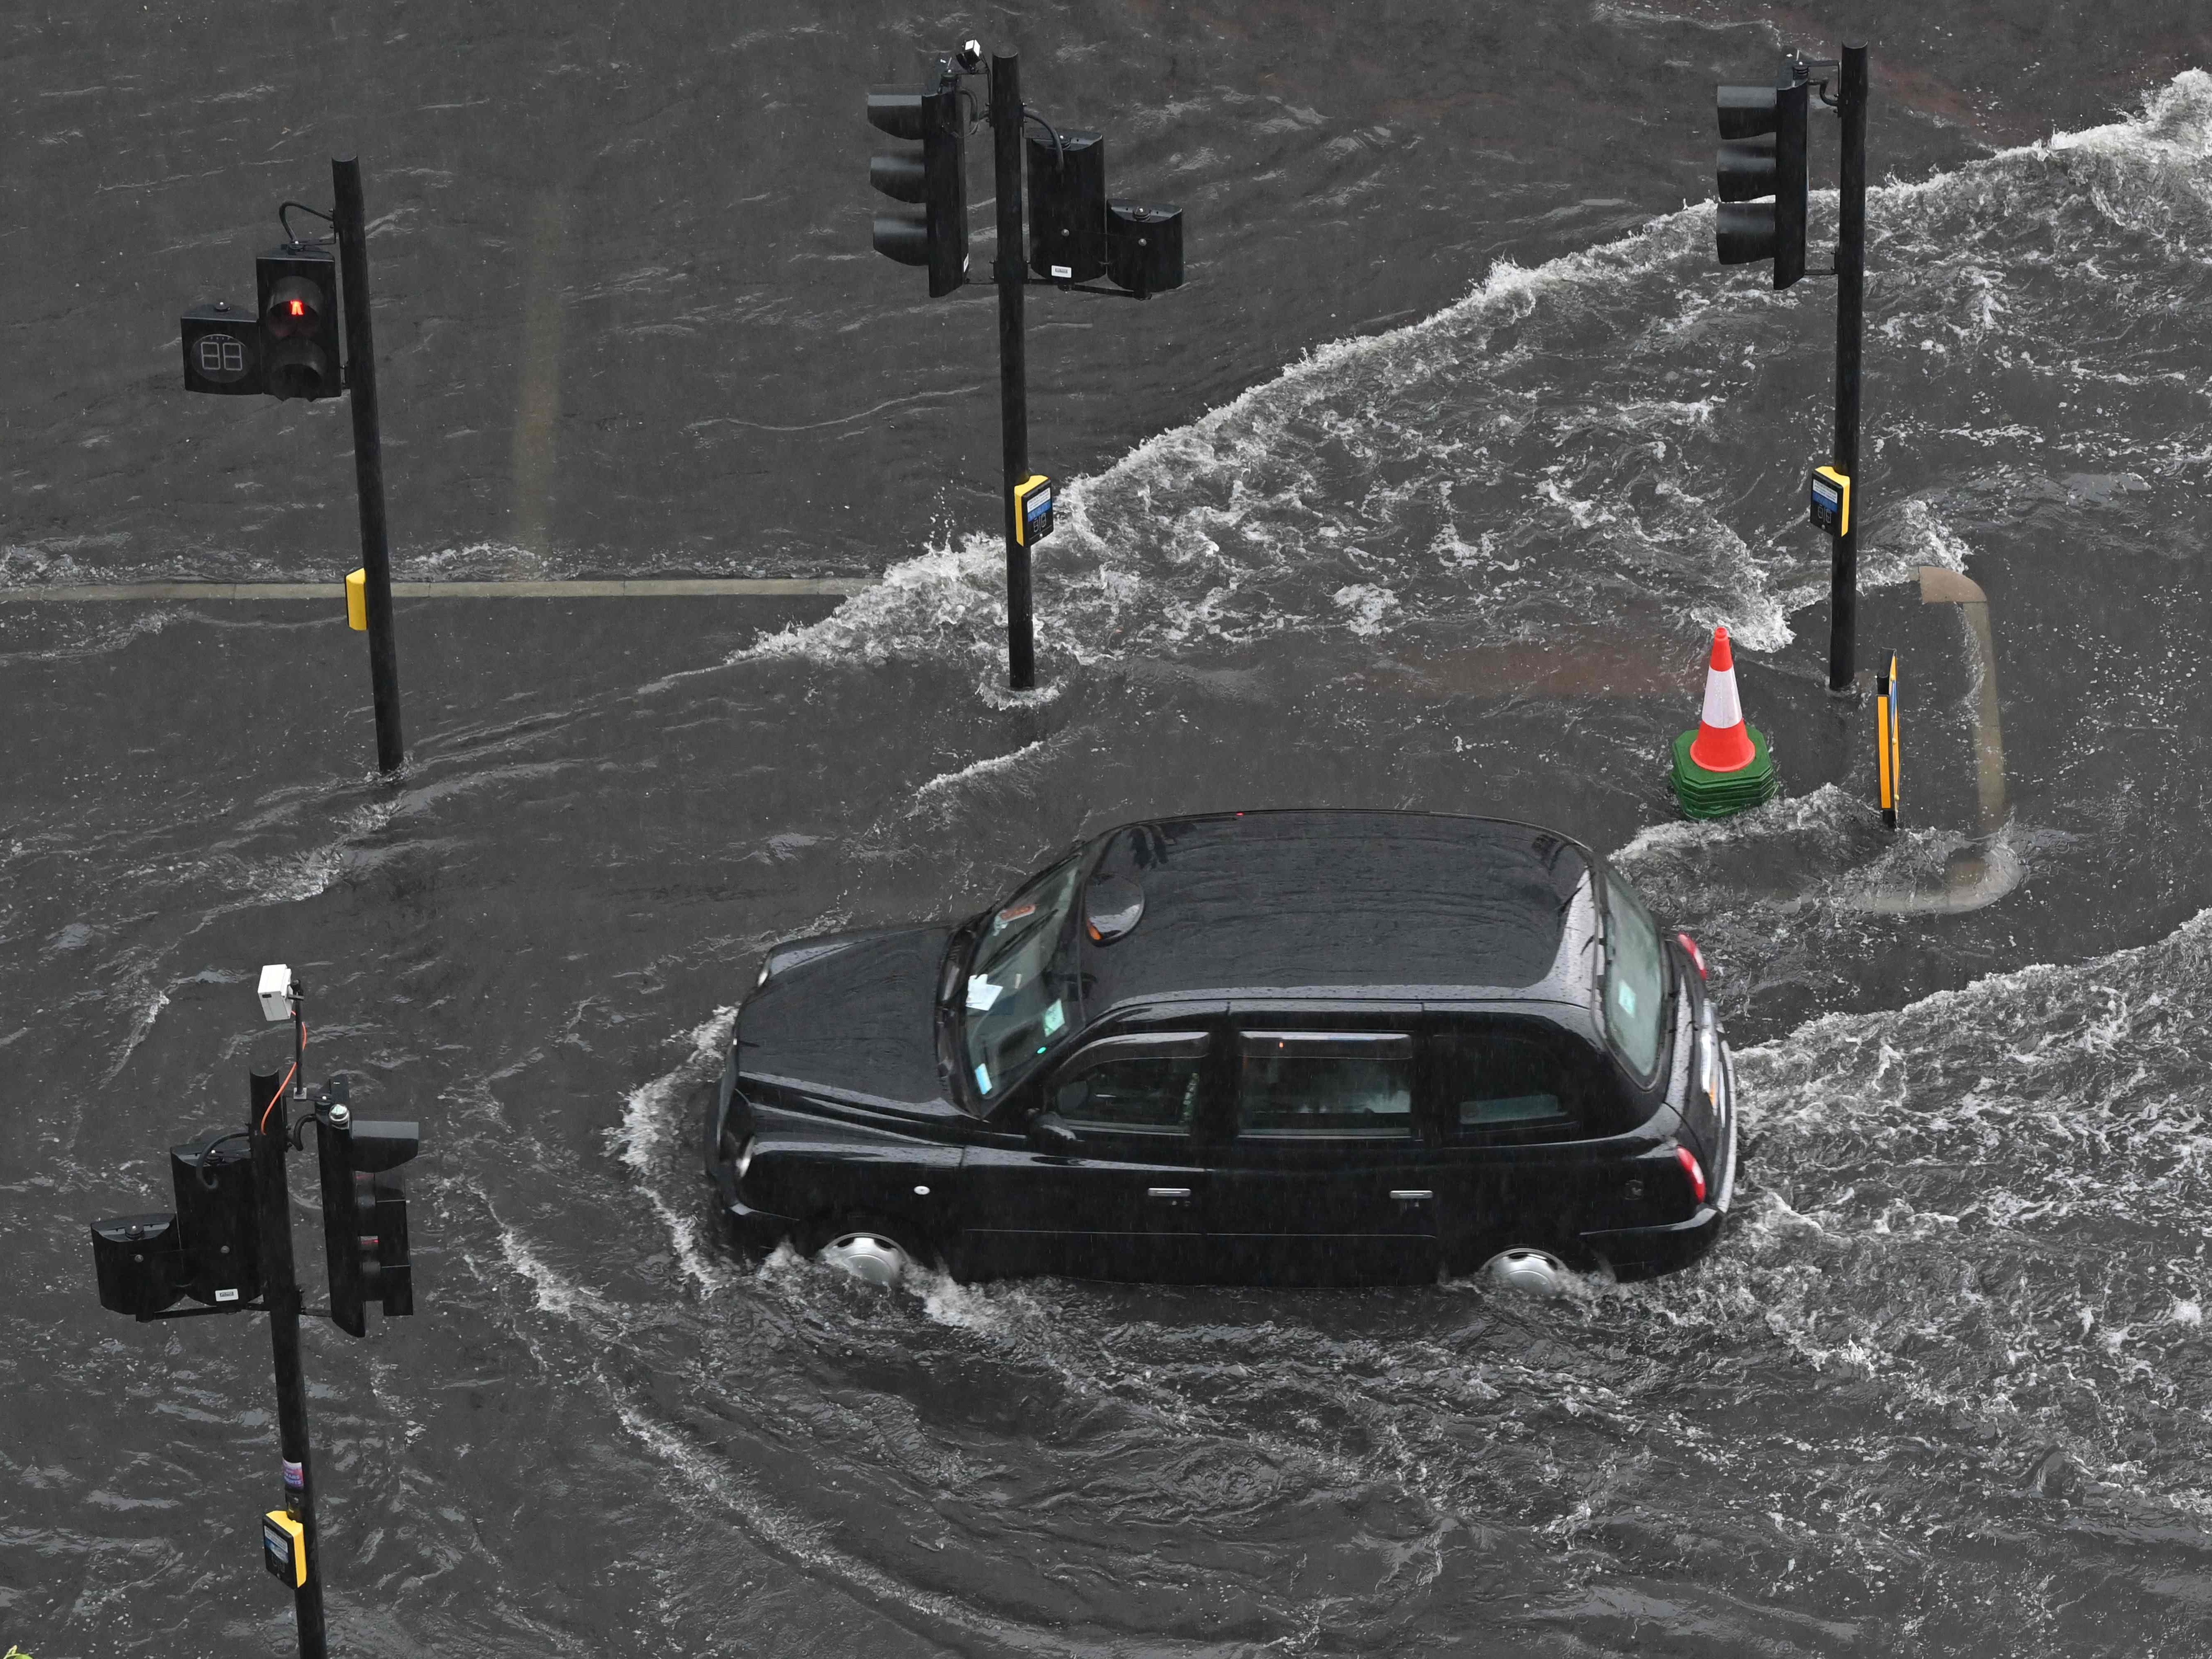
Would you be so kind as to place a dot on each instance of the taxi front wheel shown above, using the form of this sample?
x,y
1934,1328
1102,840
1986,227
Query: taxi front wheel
x,y
875,1251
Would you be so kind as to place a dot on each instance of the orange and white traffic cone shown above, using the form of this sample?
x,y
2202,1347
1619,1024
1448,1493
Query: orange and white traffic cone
x,y
1724,742
1723,767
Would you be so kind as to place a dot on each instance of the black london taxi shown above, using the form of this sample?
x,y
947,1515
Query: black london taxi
x,y
1281,1047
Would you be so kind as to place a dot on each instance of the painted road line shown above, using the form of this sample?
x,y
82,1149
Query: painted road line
x,y
703,587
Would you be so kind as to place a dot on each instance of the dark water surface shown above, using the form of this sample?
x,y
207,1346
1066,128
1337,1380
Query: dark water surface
x,y
1424,493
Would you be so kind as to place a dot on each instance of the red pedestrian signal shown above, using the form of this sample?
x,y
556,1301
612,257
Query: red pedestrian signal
x,y
298,289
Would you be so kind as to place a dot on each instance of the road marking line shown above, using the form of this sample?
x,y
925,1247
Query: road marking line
x,y
703,587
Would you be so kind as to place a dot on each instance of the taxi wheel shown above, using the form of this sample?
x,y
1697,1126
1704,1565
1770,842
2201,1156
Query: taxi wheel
x,y
874,1251
1526,1268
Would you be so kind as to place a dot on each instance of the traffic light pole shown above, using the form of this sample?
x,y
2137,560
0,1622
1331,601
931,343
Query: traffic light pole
x,y
1850,328
351,223
270,1130
1012,276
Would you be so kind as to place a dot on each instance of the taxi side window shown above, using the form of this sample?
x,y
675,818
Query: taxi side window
x,y
1325,1083
1145,1084
1516,1081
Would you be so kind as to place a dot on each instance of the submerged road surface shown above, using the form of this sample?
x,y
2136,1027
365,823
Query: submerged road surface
x,y
1425,492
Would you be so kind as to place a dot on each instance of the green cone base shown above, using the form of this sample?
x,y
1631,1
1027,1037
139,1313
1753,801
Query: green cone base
x,y
1703,794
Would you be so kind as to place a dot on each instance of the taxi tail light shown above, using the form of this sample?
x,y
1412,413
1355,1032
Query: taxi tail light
x,y
1694,1170
1696,956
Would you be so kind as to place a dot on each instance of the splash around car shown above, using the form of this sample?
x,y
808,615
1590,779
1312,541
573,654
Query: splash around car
x,y
1282,1047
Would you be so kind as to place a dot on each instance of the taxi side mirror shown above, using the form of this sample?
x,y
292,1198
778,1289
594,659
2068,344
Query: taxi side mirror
x,y
1051,1134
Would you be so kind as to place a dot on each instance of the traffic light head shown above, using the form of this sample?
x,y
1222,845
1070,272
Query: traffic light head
x,y
1762,154
365,1216
222,350
209,1248
213,1183
1067,206
937,180
299,312
140,1262
1144,247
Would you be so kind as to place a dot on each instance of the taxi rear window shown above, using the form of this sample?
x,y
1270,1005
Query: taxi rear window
x,y
1512,1079
1635,978
1325,1083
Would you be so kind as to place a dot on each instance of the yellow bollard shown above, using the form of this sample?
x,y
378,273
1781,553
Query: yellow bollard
x,y
357,600
1889,760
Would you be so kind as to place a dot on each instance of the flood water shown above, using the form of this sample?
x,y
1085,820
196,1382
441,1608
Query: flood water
x,y
1425,491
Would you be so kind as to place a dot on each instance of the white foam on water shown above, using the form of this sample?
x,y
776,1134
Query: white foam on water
x,y
1822,818
1364,605
555,1292
644,1135
710,1477
646,1138
115,628
809,1544
1987,1200
1183,491
1245,523
141,1027
933,793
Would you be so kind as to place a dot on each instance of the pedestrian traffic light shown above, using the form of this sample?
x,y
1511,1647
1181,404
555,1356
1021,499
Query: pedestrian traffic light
x,y
364,1211
298,289
937,180
222,350
1067,206
1762,154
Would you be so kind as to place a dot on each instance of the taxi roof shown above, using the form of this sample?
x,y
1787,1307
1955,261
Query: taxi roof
x,y
1370,903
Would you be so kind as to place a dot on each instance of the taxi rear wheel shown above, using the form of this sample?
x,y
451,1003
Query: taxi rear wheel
x,y
873,1250
1526,1268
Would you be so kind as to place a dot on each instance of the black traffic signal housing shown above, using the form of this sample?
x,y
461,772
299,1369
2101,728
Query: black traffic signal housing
x,y
1762,154
209,1249
297,285
222,350
214,1185
1144,247
139,1260
364,1212
1067,206
937,180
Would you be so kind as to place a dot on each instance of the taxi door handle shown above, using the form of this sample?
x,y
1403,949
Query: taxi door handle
x,y
1411,1194
1172,1195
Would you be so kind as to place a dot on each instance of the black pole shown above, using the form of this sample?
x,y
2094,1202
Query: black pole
x,y
280,1293
368,459
1013,373
1851,315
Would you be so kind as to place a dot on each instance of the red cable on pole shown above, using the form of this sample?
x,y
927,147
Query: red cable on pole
x,y
282,1086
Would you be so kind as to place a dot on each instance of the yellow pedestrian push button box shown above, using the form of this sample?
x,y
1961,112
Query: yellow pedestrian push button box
x,y
357,600
1832,500
284,1547
1032,510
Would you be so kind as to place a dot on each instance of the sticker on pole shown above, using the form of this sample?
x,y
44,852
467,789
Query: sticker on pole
x,y
1032,510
